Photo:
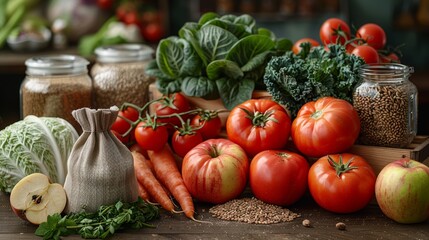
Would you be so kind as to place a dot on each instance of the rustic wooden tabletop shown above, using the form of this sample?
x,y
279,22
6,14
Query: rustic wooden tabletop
x,y
369,223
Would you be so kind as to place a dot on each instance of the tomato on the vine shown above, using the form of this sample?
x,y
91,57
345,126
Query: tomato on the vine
x,y
209,122
373,35
334,30
175,103
258,124
342,183
326,126
278,176
183,142
296,48
121,125
390,58
150,135
367,53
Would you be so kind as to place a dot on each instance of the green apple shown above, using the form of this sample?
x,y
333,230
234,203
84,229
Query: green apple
x,y
402,191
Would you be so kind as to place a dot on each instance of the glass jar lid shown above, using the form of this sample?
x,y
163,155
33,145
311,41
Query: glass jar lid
x,y
124,53
56,65
390,72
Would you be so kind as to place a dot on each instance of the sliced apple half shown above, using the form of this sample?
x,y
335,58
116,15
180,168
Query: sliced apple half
x,y
34,197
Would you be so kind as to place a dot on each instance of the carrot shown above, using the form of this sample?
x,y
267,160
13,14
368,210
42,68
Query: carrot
x,y
149,182
142,192
167,172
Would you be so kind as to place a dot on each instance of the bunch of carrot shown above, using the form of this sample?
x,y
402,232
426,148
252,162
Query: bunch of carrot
x,y
158,177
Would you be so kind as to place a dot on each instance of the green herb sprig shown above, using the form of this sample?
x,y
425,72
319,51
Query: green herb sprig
x,y
100,224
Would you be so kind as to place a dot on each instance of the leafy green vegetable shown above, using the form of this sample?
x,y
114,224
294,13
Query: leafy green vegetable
x,y
101,224
218,56
35,144
294,80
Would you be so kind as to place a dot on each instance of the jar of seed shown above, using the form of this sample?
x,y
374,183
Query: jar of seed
x,y
54,86
386,102
119,75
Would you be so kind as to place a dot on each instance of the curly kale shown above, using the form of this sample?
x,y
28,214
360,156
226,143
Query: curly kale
x,y
294,80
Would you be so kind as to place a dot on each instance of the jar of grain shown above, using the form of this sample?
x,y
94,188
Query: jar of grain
x,y
119,75
54,86
386,102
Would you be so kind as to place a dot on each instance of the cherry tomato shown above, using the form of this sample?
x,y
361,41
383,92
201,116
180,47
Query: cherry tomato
x,y
390,58
342,183
120,125
373,35
278,176
168,105
151,136
132,17
210,122
297,45
334,30
183,142
105,4
124,140
367,53
153,31
326,126
257,125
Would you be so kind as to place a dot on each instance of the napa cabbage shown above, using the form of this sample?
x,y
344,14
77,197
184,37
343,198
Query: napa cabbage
x,y
35,144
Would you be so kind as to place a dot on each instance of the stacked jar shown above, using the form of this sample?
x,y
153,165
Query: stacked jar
x,y
119,75
54,86
386,102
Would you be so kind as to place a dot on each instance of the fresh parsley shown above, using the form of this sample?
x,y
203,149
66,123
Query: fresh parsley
x,y
100,224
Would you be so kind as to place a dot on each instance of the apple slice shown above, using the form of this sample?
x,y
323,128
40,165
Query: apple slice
x,y
34,198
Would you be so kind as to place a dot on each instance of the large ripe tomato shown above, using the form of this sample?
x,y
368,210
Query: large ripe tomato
x,y
367,53
121,125
326,126
215,171
209,122
278,176
258,124
341,183
296,48
175,103
151,136
334,30
373,35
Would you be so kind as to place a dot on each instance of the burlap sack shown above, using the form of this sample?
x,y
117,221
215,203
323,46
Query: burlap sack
x,y
100,167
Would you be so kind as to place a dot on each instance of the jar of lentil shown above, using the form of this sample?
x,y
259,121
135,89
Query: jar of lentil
x,y
54,86
386,102
119,75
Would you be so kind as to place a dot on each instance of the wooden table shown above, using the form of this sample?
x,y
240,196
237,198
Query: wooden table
x,y
369,223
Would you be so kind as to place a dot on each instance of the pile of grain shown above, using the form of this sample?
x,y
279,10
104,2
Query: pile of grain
x,y
252,210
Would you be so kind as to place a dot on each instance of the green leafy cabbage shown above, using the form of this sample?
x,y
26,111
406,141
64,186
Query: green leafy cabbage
x,y
216,57
35,144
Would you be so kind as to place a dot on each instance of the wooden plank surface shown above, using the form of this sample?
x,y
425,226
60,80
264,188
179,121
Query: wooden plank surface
x,y
370,223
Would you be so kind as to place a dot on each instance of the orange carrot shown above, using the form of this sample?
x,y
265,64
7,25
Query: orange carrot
x,y
149,182
142,192
167,172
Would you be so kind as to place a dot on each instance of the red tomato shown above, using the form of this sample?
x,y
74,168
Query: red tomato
x,y
151,137
132,17
334,30
124,140
373,35
342,183
367,53
183,142
278,176
120,125
390,58
326,126
258,124
175,103
153,32
210,123
297,45
105,4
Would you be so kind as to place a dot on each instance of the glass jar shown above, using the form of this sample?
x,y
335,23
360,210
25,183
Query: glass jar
x,y
386,102
119,75
54,86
